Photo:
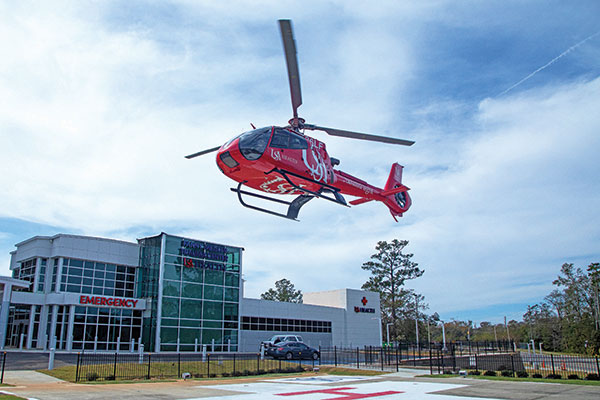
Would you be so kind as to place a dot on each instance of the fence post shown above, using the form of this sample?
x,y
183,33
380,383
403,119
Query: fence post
x,y
148,376
381,357
115,367
319,357
280,363
257,363
512,362
438,361
597,366
430,363
552,360
233,364
335,355
208,365
397,366
76,370
4,363
357,359
476,364
178,365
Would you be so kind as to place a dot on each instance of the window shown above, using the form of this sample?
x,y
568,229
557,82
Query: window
x,y
284,139
285,325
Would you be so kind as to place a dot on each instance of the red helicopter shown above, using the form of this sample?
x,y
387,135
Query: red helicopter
x,y
283,160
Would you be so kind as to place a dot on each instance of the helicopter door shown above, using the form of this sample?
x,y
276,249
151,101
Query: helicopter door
x,y
286,148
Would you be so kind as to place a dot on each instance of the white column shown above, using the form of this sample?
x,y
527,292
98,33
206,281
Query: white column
x,y
30,327
41,339
70,328
53,319
4,313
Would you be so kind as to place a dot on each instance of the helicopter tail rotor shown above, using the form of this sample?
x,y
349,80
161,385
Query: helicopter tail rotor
x,y
396,194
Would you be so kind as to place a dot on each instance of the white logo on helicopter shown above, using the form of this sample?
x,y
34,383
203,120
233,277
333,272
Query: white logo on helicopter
x,y
275,155
319,171
279,185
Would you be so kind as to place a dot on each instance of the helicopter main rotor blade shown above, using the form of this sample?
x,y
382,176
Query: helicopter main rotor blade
x,y
200,153
361,136
289,47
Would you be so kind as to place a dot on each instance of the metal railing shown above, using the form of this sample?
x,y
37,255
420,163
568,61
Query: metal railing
x,y
119,366
476,358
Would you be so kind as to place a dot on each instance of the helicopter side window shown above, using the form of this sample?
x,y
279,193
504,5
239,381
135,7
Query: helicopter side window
x,y
254,143
283,139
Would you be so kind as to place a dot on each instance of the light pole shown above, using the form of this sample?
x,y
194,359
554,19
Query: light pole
x,y
417,317
443,335
387,330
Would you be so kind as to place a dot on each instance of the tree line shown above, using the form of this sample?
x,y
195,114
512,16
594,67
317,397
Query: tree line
x,y
567,320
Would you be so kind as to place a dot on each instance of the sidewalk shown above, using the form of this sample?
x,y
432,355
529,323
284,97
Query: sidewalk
x,y
28,378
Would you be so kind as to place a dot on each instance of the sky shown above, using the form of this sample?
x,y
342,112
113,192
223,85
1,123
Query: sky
x,y
100,101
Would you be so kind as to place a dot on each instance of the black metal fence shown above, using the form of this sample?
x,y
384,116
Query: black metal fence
x,y
120,366
489,358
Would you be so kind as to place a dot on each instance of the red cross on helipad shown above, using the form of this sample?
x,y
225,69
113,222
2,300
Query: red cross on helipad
x,y
364,301
340,392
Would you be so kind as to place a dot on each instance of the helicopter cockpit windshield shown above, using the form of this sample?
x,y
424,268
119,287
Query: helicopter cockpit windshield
x,y
253,143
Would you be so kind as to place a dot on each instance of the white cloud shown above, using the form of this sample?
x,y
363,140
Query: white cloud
x,y
97,112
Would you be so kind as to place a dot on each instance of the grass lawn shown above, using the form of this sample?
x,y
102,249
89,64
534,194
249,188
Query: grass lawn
x,y
170,370
4,396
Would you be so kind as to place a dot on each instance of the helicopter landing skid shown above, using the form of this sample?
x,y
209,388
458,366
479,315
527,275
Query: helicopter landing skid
x,y
293,206
337,196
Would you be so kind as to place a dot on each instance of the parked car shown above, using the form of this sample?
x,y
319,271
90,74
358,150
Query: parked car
x,y
275,340
293,350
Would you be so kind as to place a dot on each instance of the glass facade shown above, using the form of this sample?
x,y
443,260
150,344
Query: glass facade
x,y
88,277
200,295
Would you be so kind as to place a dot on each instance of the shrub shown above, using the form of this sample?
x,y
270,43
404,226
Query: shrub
x,y
489,373
506,372
197,375
251,373
475,372
573,376
299,368
273,371
523,374
502,368
592,377
290,369
553,376
212,375
110,378
225,374
245,372
236,373
537,376
92,376
261,372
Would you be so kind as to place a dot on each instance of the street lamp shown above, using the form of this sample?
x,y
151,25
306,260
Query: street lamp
x,y
387,329
443,335
417,317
